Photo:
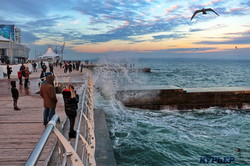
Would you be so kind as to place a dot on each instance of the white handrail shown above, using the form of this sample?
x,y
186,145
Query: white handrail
x,y
87,118
87,137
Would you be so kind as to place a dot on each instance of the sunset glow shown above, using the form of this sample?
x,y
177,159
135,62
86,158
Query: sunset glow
x,y
110,26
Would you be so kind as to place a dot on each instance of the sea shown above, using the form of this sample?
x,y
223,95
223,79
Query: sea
x,y
142,137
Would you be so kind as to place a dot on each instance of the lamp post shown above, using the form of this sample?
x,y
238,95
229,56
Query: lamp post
x,y
11,48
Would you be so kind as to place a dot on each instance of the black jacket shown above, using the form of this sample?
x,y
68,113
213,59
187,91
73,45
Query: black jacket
x,y
70,104
14,92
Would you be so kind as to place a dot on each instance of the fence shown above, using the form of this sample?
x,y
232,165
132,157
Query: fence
x,y
84,145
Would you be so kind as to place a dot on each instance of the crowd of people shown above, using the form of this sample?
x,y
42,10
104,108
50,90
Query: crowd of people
x,y
48,91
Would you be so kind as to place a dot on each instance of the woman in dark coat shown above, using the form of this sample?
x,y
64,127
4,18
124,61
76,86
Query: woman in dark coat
x,y
70,104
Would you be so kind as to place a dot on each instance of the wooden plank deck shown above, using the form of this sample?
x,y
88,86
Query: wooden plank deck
x,y
21,130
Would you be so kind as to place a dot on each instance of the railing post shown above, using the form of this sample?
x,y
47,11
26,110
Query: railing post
x,y
75,159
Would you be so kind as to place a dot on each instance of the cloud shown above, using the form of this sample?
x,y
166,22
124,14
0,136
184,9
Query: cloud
x,y
218,26
28,37
172,8
215,3
31,9
24,8
232,11
111,9
247,3
223,7
171,36
5,21
238,40
47,22
197,29
242,39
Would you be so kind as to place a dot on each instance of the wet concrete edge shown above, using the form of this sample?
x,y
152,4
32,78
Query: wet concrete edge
x,y
104,153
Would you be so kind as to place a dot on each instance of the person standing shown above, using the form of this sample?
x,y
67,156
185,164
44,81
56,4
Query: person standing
x,y
15,94
34,65
44,67
48,93
71,100
51,68
9,71
22,67
70,66
26,75
81,67
20,76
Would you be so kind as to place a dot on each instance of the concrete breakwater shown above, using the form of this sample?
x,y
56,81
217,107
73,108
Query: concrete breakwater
x,y
159,98
117,69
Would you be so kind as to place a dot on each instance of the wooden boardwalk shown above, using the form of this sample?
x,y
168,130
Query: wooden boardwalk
x,y
21,130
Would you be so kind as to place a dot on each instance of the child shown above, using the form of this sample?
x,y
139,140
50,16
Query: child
x,y
15,94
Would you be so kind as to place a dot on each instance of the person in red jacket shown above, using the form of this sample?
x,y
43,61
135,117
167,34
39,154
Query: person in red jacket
x,y
20,76
48,94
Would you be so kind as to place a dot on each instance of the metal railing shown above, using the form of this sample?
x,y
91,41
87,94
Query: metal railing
x,y
41,143
84,144
86,119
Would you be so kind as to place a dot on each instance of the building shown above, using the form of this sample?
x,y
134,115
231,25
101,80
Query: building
x,y
11,49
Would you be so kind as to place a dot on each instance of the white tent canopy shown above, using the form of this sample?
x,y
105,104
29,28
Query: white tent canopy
x,y
50,54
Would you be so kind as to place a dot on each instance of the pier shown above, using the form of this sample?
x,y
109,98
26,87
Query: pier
x,y
21,130
171,97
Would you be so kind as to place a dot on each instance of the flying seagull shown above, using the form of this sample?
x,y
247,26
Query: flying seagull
x,y
204,11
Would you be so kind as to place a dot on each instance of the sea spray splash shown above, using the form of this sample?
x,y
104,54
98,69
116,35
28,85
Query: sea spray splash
x,y
145,137
113,76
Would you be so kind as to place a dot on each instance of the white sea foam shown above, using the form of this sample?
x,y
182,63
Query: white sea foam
x,y
171,135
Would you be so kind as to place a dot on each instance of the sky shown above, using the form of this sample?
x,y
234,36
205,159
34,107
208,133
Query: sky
x,y
132,28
